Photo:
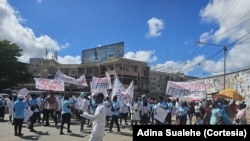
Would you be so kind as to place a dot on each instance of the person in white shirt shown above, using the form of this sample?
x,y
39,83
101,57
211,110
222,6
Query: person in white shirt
x,y
135,112
59,108
84,107
98,119
10,105
124,113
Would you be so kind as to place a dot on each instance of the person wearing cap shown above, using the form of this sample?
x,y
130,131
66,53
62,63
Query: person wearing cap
x,y
19,107
98,118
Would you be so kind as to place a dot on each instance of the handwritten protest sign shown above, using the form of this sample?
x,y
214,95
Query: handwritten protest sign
x,y
49,84
186,89
160,114
80,81
27,114
24,92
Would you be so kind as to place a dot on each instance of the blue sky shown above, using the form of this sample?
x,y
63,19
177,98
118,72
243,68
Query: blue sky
x,y
160,32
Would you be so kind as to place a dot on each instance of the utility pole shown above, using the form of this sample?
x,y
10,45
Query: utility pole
x,y
225,54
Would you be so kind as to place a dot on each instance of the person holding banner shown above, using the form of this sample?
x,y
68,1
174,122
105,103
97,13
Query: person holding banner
x,y
161,103
19,107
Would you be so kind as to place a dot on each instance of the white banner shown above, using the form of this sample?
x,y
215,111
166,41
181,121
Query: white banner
x,y
100,85
27,114
186,89
160,114
24,92
129,93
80,81
49,84
118,87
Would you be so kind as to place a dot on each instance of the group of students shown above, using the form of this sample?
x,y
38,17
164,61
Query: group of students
x,y
21,104
103,112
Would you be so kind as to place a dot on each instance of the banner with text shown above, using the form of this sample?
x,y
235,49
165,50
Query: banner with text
x,y
189,89
80,81
49,84
101,84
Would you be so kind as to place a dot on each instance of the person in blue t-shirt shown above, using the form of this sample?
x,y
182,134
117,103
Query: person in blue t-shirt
x,y
19,107
65,114
115,108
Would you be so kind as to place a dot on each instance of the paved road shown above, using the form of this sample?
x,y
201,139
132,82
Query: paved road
x,y
51,133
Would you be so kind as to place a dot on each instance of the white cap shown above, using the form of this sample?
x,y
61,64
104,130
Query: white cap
x,y
20,97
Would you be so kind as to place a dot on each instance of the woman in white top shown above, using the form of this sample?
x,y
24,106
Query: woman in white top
x,y
10,105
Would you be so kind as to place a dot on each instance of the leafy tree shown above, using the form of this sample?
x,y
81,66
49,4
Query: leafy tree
x,y
12,71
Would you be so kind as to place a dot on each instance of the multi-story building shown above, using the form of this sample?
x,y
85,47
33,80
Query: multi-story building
x,y
97,61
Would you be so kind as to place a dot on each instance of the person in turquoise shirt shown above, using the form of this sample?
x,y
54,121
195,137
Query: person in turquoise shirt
x,y
19,107
65,114
225,118
182,111
215,114
115,107
161,103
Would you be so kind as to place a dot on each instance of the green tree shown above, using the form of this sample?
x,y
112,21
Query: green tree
x,y
12,71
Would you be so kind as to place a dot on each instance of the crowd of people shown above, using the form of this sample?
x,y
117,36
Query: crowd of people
x,y
99,112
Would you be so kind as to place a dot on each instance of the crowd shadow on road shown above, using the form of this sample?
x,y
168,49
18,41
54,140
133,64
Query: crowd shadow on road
x,y
30,137
41,133
77,135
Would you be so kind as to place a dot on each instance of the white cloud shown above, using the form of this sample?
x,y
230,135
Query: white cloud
x,y
145,56
232,19
178,66
155,27
70,59
11,28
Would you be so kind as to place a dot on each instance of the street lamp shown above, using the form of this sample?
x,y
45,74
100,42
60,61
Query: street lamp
x,y
224,51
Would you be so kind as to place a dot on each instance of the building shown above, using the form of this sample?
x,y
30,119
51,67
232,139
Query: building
x,y
109,58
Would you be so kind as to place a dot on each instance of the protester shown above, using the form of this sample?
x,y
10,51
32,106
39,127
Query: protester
x,y
19,107
10,105
98,119
215,118
51,107
135,109
84,107
145,111
107,104
240,118
35,109
115,107
66,116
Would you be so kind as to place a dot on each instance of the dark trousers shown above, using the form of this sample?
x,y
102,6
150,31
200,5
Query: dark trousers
x,y
45,112
58,115
144,119
183,119
114,119
18,125
123,116
51,113
33,119
65,119
168,119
